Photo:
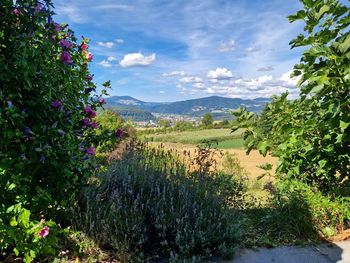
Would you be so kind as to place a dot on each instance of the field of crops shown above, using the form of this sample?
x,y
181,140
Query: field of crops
x,y
222,137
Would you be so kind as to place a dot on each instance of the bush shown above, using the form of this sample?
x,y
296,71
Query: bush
x,y
46,119
304,212
147,206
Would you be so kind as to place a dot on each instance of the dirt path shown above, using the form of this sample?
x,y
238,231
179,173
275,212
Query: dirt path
x,y
248,162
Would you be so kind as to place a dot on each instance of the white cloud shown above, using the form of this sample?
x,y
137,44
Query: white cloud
x,y
287,78
219,73
226,46
105,64
105,44
267,68
119,41
191,79
161,91
137,59
111,58
174,73
252,49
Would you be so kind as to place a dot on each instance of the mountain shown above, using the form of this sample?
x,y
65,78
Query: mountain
x,y
218,106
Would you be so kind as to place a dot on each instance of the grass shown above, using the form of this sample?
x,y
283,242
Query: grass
x,y
224,137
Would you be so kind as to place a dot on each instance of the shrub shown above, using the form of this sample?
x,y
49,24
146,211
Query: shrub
x,y
304,212
147,206
46,119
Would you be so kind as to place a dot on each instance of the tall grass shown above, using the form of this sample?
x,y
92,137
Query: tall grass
x,y
148,206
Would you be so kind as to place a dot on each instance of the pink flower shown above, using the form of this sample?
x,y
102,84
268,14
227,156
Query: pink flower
x,y
44,232
101,101
91,150
65,43
89,56
16,12
89,111
94,125
66,58
84,46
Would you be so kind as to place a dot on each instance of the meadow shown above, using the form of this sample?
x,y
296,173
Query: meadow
x,y
219,138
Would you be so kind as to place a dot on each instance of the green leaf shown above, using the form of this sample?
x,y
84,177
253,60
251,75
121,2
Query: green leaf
x,y
343,47
322,11
13,221
343,125
262,147
24,217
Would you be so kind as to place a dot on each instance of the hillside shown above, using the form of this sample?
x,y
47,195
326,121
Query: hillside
x,y
218,106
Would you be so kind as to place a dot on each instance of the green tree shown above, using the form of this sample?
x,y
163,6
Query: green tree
x,y
311,135
207,120
164,123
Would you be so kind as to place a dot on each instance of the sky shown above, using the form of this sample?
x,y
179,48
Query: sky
x,y
171,50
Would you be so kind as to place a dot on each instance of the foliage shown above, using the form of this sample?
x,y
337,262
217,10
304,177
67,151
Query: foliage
x,y
46,119
311,135
148,206
183,126
207,120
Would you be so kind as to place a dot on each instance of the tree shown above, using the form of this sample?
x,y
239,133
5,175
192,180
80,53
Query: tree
x,y
207,120
311,135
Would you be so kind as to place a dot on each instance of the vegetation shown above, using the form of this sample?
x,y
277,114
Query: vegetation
x,y
207,120
133,114
147,205
221,136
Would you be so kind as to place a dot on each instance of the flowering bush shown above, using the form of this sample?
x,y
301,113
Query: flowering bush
x,y
46,115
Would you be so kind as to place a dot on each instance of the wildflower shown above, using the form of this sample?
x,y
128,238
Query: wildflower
x,y
58,27
89,111
86,122
91,150
64,43
66,58
56,104
44,232
84,47
89,77
38,8
89,56
119,133
94,125
88,90
16,12
101,101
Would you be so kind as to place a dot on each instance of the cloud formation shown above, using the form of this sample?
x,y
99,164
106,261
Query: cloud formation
x,y
226,46
191,79
174,73
266,68
105,44
219,73
137,59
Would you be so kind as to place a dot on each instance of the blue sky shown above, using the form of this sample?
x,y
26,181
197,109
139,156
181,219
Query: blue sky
x,y
163,50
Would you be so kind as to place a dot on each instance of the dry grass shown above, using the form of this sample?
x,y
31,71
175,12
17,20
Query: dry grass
x,y
248,162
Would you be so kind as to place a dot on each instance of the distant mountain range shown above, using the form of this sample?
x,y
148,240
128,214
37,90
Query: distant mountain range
x,y
218,106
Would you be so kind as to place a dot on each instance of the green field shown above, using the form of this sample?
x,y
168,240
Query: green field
x,y
223,137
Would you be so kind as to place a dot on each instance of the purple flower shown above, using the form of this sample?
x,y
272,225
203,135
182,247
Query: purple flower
x,y
65,43
44,232
91,150
101,101
9,104
16,12
89,77
88,90
61,132
38,8
42,159
86,122
66,58
119,133
58,27
28,131
90,112
94,125
56,104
